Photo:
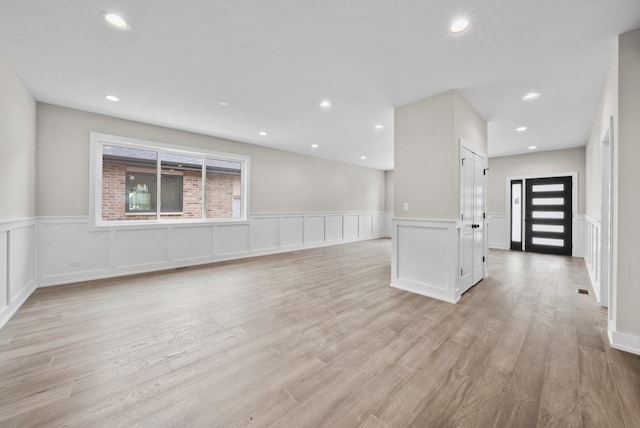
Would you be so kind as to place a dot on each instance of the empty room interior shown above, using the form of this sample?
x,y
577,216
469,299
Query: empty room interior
x,y
302,214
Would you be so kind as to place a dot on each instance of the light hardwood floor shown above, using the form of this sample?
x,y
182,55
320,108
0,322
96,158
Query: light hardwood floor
x,y
317,338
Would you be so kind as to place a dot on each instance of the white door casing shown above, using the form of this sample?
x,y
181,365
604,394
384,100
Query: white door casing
x,y
478,217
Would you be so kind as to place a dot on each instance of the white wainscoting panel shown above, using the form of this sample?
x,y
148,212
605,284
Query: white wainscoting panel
x,y
291,231
140,248
17,265
350,226
333,227
313,229
70,250
379,224
365,225
419,261
191,243
592,252
264,233
21,260
499,236
89,252
425,258
4,266
232,239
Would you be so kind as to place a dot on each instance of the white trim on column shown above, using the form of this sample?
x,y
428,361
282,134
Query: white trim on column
x,y
424,258
17,265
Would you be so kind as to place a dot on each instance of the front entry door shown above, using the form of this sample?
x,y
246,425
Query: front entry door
x,y
548,215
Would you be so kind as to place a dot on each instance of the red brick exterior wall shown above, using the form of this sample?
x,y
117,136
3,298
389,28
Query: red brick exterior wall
x,y
219,194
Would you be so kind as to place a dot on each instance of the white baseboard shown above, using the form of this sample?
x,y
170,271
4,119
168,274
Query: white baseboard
x,y
426,291
17,302
624,341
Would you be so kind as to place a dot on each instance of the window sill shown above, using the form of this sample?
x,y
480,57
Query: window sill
x,y
142,224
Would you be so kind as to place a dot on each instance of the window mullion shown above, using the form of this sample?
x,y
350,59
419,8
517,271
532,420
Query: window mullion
x,y
204,188
158,185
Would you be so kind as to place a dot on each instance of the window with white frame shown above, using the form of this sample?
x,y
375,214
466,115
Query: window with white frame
x,y
137,180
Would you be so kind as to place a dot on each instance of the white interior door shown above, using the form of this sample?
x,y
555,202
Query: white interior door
x,y
467,218
478,218
472,230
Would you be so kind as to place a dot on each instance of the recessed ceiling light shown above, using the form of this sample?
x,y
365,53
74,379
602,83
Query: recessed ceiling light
x,y
116,21
112,98
530,96
521,129
363,157
459,26
325,104
223,103
532,147
263,133
379,128
315,146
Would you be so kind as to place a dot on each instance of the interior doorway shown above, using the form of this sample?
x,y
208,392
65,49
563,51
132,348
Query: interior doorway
x,y
541,214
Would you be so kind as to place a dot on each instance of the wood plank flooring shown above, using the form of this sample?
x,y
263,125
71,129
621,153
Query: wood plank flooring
x,y
317,338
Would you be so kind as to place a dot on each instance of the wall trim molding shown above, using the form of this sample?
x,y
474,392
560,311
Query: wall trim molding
x,y
71,250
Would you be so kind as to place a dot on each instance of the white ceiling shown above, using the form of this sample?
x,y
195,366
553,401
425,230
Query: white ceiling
x,y
275,60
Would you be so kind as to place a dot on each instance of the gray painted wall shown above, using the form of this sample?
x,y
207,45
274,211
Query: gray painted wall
x,y
426,153
281,182
607,107
17,146
388,205
626,269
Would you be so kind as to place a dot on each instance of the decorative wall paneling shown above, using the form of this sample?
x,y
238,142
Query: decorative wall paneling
x,y
17,265
592,253
499,237
425,258
71,250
